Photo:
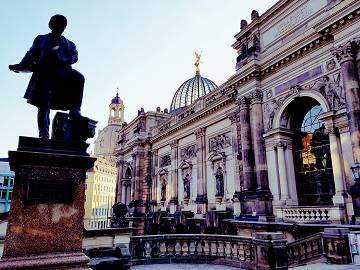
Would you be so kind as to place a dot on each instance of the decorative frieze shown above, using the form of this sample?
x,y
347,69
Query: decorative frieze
x,y
165,161
188,152
220,142
330,86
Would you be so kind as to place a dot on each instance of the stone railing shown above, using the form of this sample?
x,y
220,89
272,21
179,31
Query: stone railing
x,y
308,249
263,251
331,245
331,214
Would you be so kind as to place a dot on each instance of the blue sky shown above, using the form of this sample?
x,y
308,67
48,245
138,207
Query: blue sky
x,y
143,48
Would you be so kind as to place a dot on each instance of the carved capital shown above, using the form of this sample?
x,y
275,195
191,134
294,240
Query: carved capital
x,y
138,154
280,145
232,117
256,96
332,130
119,163
345,52
242,102
199,132
174,144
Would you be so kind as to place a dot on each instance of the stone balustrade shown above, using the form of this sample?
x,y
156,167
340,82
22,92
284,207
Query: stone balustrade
x,y
307,249
311,214
237,251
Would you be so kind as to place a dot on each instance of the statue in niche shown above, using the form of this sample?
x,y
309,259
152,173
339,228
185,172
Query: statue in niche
x,y
187,187
163,190
54,84
219,182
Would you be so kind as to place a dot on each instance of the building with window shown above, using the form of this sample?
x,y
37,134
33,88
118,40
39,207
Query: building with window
x,y
6,185
100,188
101,179
276,141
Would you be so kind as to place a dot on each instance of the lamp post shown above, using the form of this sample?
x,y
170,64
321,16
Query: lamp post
x,y
356,172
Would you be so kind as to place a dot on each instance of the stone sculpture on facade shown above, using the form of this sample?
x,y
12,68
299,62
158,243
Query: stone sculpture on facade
x,y
163,190
54,83
187,187
219,183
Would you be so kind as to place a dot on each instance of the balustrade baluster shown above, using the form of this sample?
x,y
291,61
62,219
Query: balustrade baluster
x,y
174,248
209,245
166,248
196,242
202,247
224,248
217,253
315,214
181,248
231,250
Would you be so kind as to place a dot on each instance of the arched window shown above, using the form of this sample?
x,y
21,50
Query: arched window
x,y
314,175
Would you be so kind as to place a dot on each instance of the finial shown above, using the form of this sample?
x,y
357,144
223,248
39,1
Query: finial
x,y
117,91
197,62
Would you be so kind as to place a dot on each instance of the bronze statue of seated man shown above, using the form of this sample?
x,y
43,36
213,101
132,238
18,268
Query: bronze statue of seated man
x,y
54,84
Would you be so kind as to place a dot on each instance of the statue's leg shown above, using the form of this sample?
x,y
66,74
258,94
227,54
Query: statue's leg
x,y
43,118
75,81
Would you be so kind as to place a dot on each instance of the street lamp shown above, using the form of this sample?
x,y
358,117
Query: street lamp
x,y
356,172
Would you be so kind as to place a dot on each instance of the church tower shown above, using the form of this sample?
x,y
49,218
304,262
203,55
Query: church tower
x,y
116,111
108,138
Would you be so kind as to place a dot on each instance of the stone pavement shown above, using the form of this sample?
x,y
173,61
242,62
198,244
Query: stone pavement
x,y
318,266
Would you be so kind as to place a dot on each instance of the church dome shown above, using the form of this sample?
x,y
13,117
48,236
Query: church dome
x,y
190,91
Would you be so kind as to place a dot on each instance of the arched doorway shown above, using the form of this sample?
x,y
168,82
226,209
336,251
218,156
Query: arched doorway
x,y
312,158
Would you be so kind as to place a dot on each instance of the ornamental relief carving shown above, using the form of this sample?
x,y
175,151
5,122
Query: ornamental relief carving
x,y
220,142
188,152
328,85
165,161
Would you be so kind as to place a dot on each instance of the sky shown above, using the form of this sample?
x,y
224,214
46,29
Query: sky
x,y
144,49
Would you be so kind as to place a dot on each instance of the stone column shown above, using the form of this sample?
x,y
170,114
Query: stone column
x,y
119,189
174,176
154,169
345,55
201,198
284,190
246,151
235,125
257,131
139,175
133,178
336,162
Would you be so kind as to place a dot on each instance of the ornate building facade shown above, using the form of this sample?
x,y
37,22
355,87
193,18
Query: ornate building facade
x,y
276,141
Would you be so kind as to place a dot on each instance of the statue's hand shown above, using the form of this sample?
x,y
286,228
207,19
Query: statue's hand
x,y
16,68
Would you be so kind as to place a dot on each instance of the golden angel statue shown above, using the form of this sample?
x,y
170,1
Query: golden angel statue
x,y
197,62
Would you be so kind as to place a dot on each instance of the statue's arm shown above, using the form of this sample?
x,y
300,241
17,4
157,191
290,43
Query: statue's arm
x,y
29,60
71,55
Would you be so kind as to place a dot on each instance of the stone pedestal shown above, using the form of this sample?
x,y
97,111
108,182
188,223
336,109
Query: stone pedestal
x,y
45,225
270,251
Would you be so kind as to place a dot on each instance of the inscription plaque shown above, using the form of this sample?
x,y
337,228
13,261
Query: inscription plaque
x,y
49,191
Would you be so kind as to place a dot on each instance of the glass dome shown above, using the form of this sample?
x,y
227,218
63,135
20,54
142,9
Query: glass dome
x,y
190,91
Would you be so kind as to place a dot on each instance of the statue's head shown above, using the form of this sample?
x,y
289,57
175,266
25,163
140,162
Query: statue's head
x,y
58,23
